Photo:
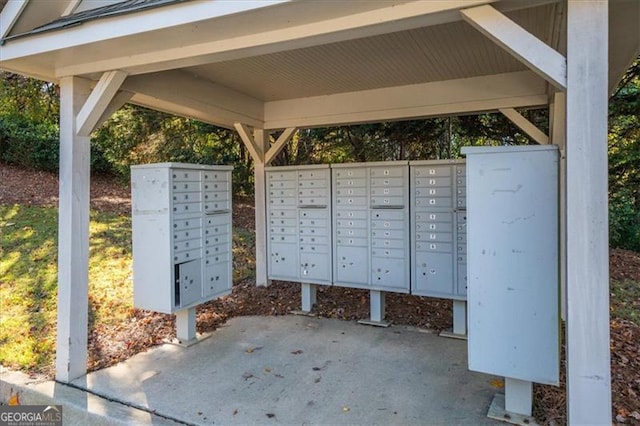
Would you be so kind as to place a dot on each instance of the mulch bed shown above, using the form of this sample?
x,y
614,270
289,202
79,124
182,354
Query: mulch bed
x,y
114,343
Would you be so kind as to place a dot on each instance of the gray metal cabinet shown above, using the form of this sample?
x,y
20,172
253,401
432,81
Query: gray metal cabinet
x,y
181,219
438,212
513,262
299,223
371,225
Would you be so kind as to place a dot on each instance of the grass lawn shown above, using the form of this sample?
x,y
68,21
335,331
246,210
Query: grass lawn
x,y
28,283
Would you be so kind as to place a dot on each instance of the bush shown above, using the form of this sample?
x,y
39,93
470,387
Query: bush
x,y
624,221
29,143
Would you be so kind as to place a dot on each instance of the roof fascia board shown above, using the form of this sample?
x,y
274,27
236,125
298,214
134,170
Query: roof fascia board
x,y
521,44
129,24
10,14
460,96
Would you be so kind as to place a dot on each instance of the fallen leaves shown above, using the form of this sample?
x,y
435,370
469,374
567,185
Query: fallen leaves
x,y
296,352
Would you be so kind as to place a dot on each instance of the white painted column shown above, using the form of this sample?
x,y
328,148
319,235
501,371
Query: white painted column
x,y
73,234
588,357
261,139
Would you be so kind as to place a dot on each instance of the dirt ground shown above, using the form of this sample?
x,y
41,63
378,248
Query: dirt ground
x,y
109,345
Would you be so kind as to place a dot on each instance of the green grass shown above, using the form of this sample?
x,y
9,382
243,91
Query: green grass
x,y
625,301
28,287
28,279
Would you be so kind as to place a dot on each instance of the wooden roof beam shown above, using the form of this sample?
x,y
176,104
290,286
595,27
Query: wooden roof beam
x,y
524,46
525,125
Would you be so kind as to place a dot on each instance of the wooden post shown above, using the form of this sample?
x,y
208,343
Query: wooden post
x,y
73,234
588,368
261,140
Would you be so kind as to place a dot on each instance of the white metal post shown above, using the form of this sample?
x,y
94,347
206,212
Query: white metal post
x,y
308,296
588,357
261,139
518,396
186,326
377,306
459,317
73,234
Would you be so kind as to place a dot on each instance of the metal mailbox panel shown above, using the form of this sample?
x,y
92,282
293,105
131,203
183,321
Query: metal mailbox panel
x,y
215,239
217,280
187,223
216,186
187,234
217,258
383,251
315,266
432,171
433,216
186,208
179,175
187,197
352,232
434,226
389,273
433,192
187,255
392,191
187,245
387,224
513,262
391,171
380,234
433,202
216,176
290,239
351,201
216,249
315,248
387,201
462,279
282,222
348,241
352,214
443,237
351,182
283,213
350,173
188,283
283,202
282,193
217,219
186,187
315,239
319,223
283,260
434,247
217,196
283,230
319,175
352,265
387,244
214,206
385,182
351,223
282,184
280,175
351,192
313,201
430,182
433,274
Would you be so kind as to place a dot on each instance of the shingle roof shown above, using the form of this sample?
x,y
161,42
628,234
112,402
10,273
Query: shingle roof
x,y
128,6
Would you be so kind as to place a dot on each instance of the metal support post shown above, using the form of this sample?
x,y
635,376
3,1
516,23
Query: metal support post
x,y
308,295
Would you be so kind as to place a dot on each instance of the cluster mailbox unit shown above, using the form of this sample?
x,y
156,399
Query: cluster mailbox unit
x,y
371,225
181,216
388,226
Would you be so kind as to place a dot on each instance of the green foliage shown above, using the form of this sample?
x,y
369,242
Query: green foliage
x,y
624,162
28,143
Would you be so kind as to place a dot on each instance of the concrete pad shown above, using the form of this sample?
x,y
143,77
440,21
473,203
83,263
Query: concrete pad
x,y
302,370
78,407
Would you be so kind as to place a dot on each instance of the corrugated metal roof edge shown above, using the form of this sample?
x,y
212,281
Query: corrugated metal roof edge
x,y
129,6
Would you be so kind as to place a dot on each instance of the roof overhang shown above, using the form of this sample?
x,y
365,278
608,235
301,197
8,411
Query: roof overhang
x,y
280,63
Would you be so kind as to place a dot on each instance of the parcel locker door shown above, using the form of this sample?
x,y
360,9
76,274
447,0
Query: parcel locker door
x,y
188,283
352,265
315,267
389,273
434,274
283,261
